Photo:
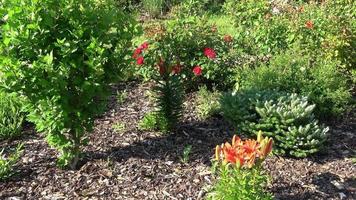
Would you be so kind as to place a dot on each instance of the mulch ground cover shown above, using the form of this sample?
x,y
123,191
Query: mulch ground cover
x,y
134,164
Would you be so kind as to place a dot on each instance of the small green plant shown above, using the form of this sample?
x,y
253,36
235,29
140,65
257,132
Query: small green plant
x,y
121,97
186,153
119,127
11,116
7,164
148,122
62,55
207,103
238,166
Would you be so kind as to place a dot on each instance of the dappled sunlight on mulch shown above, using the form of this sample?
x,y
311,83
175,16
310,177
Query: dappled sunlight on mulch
x,y
134,164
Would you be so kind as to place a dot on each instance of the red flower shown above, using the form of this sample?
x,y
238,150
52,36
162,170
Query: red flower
x,y
210,53
136,53
144,46
228,38
197,70
140,60
176,69
309,24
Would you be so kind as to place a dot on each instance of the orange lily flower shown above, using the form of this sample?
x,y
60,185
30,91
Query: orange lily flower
x,y
244,153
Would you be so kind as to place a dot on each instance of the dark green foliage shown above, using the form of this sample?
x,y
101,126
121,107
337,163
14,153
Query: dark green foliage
x,y
169,100
62,55
7,164
11,116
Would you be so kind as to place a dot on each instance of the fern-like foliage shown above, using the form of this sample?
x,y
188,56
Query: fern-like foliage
x,y
169,101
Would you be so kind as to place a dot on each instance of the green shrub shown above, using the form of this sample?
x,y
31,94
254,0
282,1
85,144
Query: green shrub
x,y
265,28
62,55
207,103
183,43
7,164
11,116
289,120
298,72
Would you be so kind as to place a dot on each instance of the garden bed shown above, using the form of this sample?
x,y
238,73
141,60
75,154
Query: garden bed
x,y
134,164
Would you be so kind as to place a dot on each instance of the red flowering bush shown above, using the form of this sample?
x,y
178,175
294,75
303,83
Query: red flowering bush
x,y
240,174
183,46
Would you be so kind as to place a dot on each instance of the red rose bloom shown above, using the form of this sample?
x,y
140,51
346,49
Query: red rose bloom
x,y
228,38
140,60
144,45
197,70
210,53
309,24
176,69
136,53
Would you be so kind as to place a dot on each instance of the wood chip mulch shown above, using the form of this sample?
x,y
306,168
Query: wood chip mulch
x,y
134,164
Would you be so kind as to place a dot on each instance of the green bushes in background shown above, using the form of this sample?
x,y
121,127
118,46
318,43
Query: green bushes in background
x,y
297,72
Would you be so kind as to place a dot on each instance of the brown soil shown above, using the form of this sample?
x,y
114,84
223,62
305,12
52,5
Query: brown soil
x,y
134,164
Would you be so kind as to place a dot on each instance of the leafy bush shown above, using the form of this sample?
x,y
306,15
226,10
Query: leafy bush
x,y
184,44
291,123
287,118
61,55
6,164
297,72
267,28
11,116
207,102
239,169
